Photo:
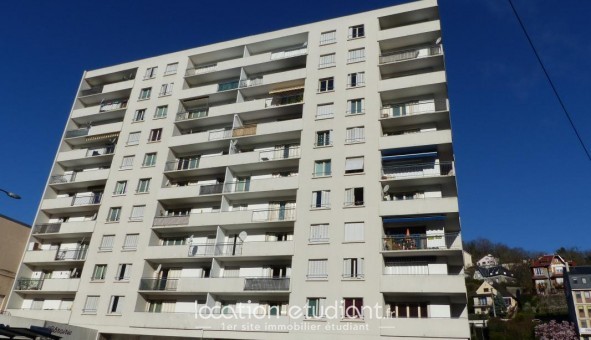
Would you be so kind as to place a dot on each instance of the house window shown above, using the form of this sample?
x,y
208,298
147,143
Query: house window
x,y
327,60
355,135
116,305
357,31
319,233
133,138
353,268
538,271
130,242
166,89
145,93
329,37
114,214
355,106
137,213
171,69
326,84
123,272
151,72
321,199
356,79
323,138
354,197
161,111
315,307
127,162
353,308
356,55
155,135
107,243
354,165
91,304
149,159
120,188
325,111
354,231
143,185
318,269
322,168
99,272
139,115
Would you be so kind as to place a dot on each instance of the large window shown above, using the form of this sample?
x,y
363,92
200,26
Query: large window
x,y
355,135
353,308
327,60
145,93
357,31
149,159
323,138
322,168
356,55
114,214
321,199
329,37
354,165
356,106
353,268
161,111
326,84
91,304
319,233
354,197
318,269
354,231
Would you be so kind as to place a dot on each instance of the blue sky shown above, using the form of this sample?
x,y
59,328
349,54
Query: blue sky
x,y
523,178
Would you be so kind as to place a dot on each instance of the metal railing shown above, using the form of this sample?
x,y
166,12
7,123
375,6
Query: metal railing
x,y
211,189
246,130
230,85
203,249
433,169
414,53
229,249
162,221
421,241
274,215
29,284
289,53
200,70
84,200
250,82
266,283
182,164
77,133
192,114
91,91
70,254
100,152
62,178
114,105
159,284
413,108
219,134
47,228
285,100
284,153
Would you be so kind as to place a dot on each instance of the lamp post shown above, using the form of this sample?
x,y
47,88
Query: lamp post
x,y
11,194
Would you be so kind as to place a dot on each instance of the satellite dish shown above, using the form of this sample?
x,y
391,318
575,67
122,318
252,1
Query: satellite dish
x,y
386,188
242,236
438,41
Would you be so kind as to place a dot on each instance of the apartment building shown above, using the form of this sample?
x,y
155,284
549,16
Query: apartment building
x,y
578,297
294,183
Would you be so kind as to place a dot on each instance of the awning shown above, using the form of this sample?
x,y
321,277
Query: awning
x,y
287,89
103,136
409,219
410,156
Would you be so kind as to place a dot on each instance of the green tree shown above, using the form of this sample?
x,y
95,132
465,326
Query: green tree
x,y
500,308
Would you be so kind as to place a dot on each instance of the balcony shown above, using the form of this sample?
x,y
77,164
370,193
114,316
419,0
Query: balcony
x,y
408,140
422,244
419,170
410,54
86,157
255,249
227,218
63,229
48,285
266,284
71,204
213,285
412,83
418,206
107,111
79,180
191,193
81,136
451,328
259,188
414,108
53,255
101,93
424,284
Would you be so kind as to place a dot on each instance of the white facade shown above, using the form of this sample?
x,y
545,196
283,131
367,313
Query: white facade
x,y
304,168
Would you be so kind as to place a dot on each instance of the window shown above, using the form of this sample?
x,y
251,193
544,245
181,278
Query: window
x,y
130,242
149,159
329,37
327,60
166,89
322,168
538,271
145,93
318,269
318,233
137,212
114,214
171,69
99,272
356,55
123,272
353,268
325,111
356,79
354,197
412,310
353,308
37,304
354,231
133,138
326,84
161,111
107,243
150,72
355,135
120,188
354,165
155,135
355,106
143,185
127,162
116,305
357,31
323,138
315,307
321,199
173,241
91,304
139,115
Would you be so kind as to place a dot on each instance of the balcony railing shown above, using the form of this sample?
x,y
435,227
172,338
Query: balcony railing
x,y
240,186
283,153
250,82
413,108
246,130
289,53
231,85
77,133
86,200
62,179
285,100
219,134
204,249
100,152
47,228
91,91
29,284
113,105
162,221
414,53
159,284
420,242
418,170
266,283
200,70
182,164
192,114
274,215
70,254
211,189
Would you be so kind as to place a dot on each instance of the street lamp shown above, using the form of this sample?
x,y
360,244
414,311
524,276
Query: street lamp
x,y
11,194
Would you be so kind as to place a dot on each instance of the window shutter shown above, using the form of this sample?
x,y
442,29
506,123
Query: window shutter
x,y
347,267
354,163
131,241
137,212
107,241
354,231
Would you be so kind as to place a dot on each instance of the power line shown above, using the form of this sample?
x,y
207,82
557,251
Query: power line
x,y
570,120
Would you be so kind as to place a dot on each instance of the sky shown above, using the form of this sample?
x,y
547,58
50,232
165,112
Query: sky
x,y
523,178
